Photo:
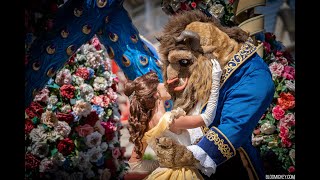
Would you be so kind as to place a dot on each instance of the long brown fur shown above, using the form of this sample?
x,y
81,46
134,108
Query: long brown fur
x,y
199,84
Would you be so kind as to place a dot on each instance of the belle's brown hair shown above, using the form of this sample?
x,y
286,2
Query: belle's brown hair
x,y
142,102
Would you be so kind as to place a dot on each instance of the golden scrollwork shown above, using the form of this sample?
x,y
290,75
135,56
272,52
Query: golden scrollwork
x,y
222,147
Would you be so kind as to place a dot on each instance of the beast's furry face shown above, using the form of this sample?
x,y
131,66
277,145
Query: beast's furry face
x,y
187,70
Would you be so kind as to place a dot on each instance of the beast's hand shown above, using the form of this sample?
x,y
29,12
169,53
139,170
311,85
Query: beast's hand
x,y
172,154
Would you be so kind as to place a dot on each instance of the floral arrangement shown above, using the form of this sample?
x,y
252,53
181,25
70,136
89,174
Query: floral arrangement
x,y
275,133
72,127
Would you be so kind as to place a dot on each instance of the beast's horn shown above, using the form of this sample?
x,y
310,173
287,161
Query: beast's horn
x,y
194,39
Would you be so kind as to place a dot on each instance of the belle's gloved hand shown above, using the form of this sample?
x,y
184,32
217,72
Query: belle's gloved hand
x,y
143,167
211,108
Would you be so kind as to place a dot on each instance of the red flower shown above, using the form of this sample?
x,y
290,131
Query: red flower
x,y
278,112
28,126
65,117
284,132
111,166
95,42
291,169
286,142
31,162
286,101
72,59
270,36
267,47
193,5
92,118
67,91
83,72
279,53
65,146
53,8
231,1
35,109
110,128
289,72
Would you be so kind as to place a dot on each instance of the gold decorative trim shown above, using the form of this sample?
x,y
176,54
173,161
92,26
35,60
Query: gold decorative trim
x,y
247,4
248,159
234,150
222,147
260,49
246,51
253,25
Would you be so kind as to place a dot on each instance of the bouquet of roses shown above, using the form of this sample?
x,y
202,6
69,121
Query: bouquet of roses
x,y
276,130
72,127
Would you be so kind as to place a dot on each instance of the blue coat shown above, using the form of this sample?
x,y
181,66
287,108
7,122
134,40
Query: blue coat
x,y
246,92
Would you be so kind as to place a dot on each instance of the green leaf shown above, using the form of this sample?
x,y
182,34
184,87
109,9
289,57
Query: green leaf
x,y
109,112
54,86
54,151
35,120
276,95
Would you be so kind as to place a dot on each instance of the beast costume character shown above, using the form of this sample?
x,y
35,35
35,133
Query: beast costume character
x,y
188,42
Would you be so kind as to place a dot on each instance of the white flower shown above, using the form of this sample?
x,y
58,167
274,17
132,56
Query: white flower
x,y
94,154
81,161
256,140
77,80
53,136
49,118
40,149
63,128
81,108
38,134
290,85
100,84
66,108
104,146
93,60
267,128
58,159
47,165
63,77
90,174
53,100
93,139
217,10
86,92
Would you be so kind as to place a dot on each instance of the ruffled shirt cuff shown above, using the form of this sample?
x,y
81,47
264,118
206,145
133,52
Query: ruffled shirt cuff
x,y
208,166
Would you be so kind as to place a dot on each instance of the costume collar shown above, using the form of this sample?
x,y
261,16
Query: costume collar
x,y
246,51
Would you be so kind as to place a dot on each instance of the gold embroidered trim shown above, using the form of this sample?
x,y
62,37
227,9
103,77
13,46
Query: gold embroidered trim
x,y
222,147
246,51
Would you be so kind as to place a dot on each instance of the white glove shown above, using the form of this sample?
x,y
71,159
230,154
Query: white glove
x,y
211,108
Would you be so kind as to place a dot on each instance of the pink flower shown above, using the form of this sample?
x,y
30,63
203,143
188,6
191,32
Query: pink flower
x,y
42,96
101,100
84,130
289,72
276,69
284,132
288,120
291,169
278,53
267,47
83,72
282,60
116,153
112,95
278,112
96,43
